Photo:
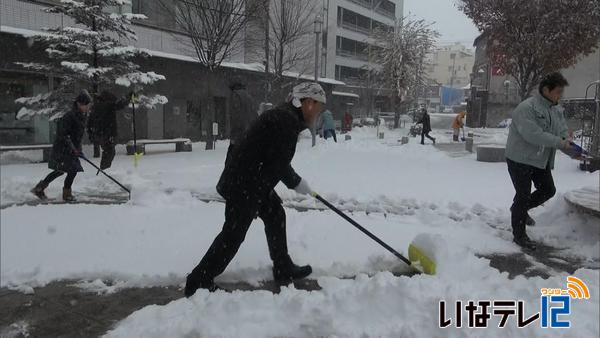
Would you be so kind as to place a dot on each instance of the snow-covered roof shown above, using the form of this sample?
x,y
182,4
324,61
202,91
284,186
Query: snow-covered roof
x,y
345,94
255,67
21,31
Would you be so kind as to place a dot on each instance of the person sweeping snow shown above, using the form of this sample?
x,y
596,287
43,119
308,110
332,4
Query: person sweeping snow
x,y
259,160
102,125
457,125
328,125
67,148
538,128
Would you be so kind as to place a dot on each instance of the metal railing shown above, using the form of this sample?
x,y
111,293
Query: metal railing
x,y
353,27
350,54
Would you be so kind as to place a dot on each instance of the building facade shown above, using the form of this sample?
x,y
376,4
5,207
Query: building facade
x,y
336,44
451,66
197,97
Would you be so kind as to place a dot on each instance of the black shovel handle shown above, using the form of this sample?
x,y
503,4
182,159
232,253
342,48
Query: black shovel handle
x,y
107,175
361,228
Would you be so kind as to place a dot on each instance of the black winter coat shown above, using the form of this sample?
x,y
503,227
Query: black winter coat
x,y
426,120
102,123
263,156
69,133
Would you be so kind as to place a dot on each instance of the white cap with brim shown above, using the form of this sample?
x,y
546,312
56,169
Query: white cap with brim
x,y
310,90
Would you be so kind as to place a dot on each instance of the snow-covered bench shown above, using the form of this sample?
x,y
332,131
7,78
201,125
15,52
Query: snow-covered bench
x,y
586,200
45,148
490,153
181,144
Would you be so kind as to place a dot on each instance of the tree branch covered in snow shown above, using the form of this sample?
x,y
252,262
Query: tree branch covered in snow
x,y
402,52
88,56
528,39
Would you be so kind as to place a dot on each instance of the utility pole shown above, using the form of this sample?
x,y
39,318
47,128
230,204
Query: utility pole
x,y
317,30
267,5
453,57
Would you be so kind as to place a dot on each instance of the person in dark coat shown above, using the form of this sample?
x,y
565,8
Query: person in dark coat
x,y
67,148
102,125
426,121
244,110
261,159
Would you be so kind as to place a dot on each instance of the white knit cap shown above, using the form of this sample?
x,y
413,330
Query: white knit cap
x,y
311,90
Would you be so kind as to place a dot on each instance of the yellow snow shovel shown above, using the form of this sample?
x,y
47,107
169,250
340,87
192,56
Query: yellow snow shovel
x,y
418,258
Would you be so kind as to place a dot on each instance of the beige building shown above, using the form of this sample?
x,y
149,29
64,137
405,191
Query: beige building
x,y
451,66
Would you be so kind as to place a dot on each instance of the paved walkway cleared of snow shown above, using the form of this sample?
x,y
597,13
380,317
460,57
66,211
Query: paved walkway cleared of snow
x,y
397,192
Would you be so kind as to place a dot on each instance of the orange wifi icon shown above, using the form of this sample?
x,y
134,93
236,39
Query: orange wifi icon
x,y
577,288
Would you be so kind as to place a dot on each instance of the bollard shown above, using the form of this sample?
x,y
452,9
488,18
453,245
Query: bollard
x,y
469,144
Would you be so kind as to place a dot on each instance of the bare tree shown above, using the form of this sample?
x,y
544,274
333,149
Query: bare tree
x,y
528,39
401,52
212,26
282,35
290,25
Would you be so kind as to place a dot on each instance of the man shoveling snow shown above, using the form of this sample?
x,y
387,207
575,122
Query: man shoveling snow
x,y
257,163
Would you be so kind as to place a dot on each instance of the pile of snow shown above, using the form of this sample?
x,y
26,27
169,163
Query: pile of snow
x,y
381,306
395,191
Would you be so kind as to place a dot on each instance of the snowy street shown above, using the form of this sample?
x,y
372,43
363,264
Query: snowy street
x,y
396,191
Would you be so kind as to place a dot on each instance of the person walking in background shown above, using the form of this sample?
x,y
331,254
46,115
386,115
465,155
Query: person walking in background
x,y
425,120
102,125
328,125
347,122
67,148
457,125
244,109
538,128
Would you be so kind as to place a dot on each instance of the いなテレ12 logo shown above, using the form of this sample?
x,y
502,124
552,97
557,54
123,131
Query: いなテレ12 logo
x,y
556,303
555,307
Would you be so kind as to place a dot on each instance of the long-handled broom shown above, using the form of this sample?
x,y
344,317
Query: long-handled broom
x,y
416,255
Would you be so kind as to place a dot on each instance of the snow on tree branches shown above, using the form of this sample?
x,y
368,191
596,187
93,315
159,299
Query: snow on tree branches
x,y
401,53
87,53
530,38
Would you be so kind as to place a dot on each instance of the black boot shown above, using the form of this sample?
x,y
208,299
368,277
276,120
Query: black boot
x,y
192,286
291,272
38,190
68,195
525,242
529,221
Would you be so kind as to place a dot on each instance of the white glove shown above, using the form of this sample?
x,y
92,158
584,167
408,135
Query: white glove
x,y
303,188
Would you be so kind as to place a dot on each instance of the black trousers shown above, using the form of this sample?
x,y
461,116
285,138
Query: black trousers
x,y
522,175
108,150
329,132
238,217
423,135
56,174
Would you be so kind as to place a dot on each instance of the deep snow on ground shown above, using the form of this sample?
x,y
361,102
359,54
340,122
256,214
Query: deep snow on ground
x,y
160,235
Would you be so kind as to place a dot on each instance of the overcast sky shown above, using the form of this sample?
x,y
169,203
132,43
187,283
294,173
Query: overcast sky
x,y
452,24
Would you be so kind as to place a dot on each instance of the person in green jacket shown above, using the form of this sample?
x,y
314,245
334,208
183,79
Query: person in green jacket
x,y
538,128
327,125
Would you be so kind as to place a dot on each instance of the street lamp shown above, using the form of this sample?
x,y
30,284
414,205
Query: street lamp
x,y
318,23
